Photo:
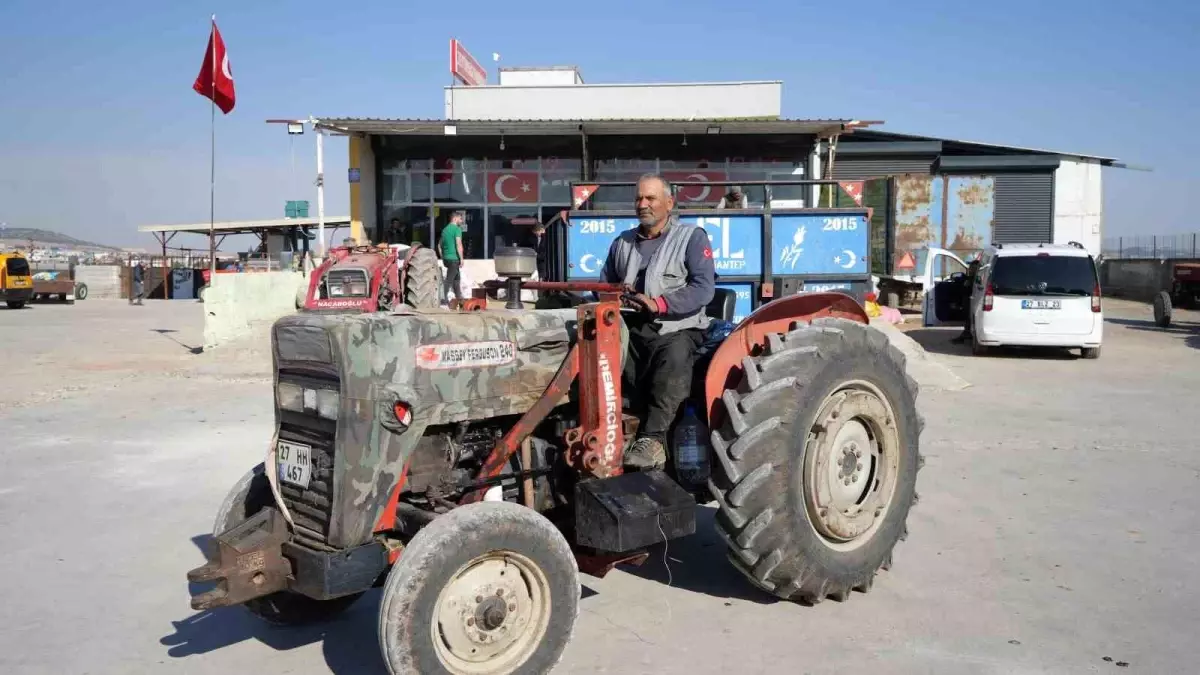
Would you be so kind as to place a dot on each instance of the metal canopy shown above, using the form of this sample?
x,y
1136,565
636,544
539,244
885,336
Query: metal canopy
x,y
430,127
246,226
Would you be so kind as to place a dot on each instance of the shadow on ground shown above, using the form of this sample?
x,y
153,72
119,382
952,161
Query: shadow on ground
x,y
349,642
1188,331
940,341
698,564
166,332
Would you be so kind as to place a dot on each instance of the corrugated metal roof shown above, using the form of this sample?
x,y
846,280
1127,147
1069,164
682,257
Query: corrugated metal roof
x,y
885,135
529,127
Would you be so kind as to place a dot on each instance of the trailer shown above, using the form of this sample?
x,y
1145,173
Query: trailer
x,y
58,285
925,229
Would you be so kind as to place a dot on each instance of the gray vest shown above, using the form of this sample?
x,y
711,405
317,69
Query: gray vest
x,y
665,272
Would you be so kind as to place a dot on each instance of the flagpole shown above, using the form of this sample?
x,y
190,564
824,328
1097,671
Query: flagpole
x,y
212,155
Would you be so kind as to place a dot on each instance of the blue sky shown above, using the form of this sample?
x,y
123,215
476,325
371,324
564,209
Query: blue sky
x,y
100,131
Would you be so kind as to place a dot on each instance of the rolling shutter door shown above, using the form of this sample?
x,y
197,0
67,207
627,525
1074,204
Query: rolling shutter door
x,y
856,167
1024,208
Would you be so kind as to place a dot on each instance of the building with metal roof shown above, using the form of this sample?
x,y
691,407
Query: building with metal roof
x,y
508,152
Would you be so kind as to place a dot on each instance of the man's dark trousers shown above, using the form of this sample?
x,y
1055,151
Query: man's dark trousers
x,y
452,279
658,373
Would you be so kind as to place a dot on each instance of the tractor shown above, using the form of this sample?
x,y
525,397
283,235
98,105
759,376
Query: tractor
x,y
374,278
1185,289
470,463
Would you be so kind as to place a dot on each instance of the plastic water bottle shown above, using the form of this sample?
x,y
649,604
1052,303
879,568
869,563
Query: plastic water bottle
x,y
691,451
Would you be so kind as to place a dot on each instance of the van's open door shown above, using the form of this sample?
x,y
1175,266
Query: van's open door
x,y
943,279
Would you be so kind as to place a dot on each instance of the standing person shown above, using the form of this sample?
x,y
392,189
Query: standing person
x,y
670,267
536,240
139,283
450,248
968,289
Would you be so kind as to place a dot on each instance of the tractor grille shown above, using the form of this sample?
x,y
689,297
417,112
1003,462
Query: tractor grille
x,y
311,509
346,283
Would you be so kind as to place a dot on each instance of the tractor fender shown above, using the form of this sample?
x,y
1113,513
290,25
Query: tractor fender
x,y
775,317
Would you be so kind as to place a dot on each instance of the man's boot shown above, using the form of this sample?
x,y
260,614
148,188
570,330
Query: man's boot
x,y
647,453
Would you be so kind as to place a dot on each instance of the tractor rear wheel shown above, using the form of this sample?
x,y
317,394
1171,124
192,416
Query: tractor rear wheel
x,y
487,589
250,495
423,280
1162,309
817,460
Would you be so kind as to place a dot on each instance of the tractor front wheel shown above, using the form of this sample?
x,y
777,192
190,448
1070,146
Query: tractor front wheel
x,y
817,460
486,589
250,495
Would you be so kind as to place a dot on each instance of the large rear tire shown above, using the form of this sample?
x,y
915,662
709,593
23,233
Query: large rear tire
x,y
423,280
1162,309
250,495
817,460
15,304
487,589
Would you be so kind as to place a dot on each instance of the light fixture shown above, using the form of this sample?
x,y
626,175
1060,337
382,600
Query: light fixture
x,y
295,128
501,141
450,130
684,144
714,130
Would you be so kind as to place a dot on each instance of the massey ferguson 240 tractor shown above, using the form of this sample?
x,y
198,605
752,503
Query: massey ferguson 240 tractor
x,y
470,462
374,278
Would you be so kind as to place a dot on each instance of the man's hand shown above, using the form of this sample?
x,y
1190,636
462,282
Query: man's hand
x,y
644,303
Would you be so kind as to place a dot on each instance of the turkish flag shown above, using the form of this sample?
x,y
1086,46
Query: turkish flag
x,y
697,194
215,81
513,187
854,188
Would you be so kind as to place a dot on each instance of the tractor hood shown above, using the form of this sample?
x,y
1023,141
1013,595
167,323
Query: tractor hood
x,y
447,366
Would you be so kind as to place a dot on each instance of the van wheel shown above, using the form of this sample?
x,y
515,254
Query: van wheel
x,y
1090,352
15,304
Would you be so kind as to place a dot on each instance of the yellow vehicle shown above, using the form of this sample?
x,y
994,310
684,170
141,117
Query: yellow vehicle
x,y
16,282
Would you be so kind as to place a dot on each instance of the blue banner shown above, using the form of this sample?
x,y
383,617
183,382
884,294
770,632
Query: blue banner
x,y
743,306
736,243
819,243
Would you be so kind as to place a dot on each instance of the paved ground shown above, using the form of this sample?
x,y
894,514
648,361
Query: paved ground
x,y
1057,525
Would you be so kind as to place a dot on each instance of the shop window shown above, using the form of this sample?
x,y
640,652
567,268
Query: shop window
x,y
411,224
420,187
511,225
464,186
394,186
513,164
556,187
472,229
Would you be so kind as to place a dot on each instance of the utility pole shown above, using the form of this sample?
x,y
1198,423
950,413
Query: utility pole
x,y
320,191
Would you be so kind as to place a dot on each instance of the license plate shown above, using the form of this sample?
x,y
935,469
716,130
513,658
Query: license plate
x,y
1041,304
295,463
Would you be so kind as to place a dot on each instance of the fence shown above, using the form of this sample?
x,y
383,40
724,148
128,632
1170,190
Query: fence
x,y
1152,246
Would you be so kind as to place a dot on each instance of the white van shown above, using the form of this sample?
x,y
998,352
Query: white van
x,y
1033,295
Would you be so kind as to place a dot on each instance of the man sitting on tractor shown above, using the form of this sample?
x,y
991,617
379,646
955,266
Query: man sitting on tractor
x,y
669,267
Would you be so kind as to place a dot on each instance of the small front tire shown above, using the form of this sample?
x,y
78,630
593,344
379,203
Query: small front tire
x,y
486,589
15,304
250,495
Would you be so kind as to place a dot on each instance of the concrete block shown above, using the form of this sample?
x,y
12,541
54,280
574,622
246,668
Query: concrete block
x,y
239,307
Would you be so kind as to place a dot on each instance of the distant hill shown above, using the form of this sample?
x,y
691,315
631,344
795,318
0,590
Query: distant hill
x,y
12,236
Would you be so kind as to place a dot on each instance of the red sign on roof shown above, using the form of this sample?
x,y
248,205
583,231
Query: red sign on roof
x,y
464,67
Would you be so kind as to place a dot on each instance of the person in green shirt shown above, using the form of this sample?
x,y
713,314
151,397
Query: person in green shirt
x,y
450,248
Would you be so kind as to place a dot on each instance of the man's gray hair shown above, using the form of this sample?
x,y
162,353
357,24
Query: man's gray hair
x,y
658,177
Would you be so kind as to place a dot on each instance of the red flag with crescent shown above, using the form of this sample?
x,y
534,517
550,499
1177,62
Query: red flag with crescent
x,y
513,187
215,81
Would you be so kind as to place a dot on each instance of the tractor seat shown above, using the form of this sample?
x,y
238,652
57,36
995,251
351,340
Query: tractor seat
x,y
722,305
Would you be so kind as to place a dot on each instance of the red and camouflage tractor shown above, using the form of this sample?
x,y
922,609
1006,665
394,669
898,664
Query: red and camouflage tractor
x,y
470,463
374,278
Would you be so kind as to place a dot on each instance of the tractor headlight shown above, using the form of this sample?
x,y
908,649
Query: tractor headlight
x,y
322,402
291,396
357,290
336,290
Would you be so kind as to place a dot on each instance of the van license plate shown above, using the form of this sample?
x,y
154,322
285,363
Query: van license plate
x,y
1041,304
295,463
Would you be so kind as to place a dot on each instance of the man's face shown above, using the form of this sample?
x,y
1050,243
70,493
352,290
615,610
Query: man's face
x,y
395,222
653,202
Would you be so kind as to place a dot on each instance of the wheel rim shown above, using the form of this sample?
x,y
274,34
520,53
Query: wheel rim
x,y
851,464
492,614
